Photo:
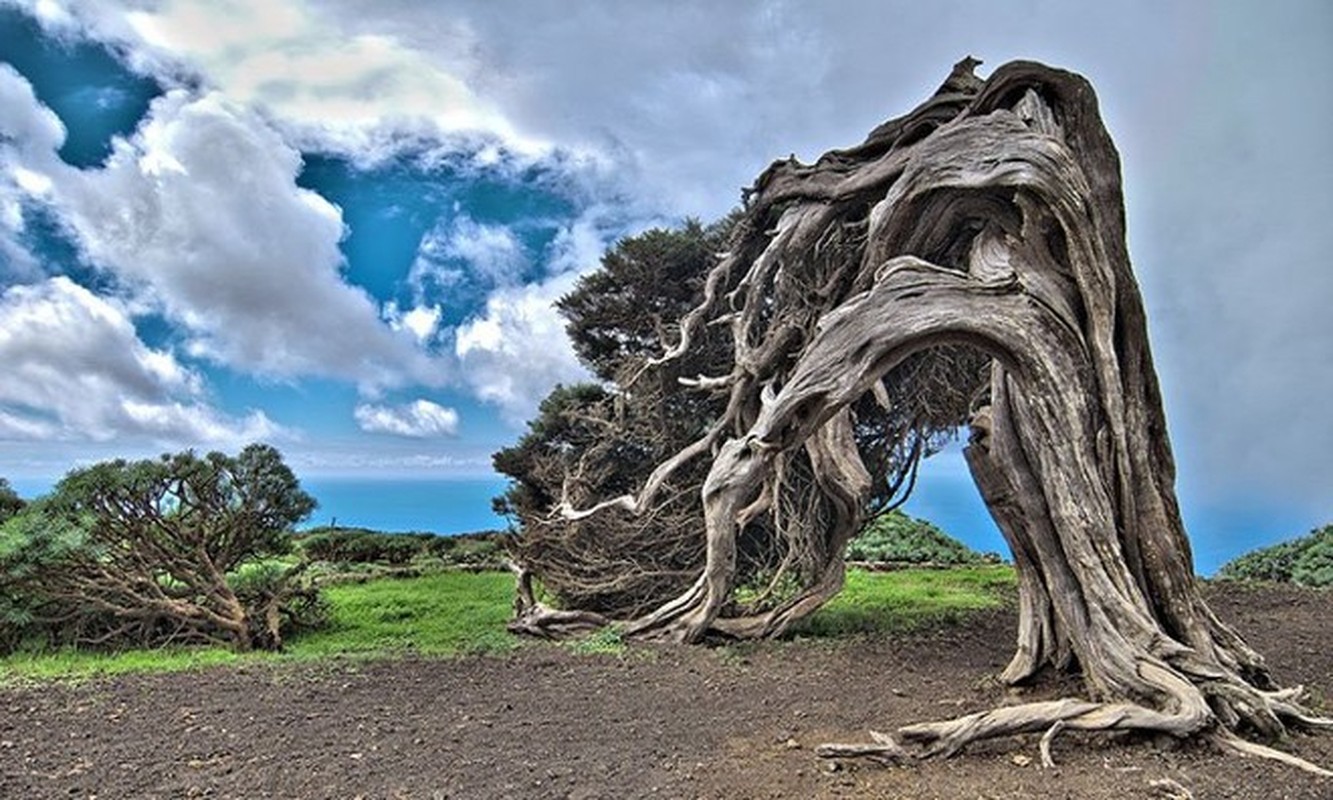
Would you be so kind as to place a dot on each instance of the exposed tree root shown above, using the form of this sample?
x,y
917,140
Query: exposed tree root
x,y
1268,711
1248,748
1047,761
537,619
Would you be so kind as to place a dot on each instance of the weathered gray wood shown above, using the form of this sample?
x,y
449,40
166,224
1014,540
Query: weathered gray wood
x,y
989,219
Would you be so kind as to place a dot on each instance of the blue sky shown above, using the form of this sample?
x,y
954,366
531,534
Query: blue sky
x,y
341,232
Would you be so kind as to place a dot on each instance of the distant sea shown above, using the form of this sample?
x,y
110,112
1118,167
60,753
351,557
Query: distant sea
x,y
404,505
946,497
1218,531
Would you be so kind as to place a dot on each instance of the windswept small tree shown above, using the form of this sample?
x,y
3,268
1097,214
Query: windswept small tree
x,y
152,548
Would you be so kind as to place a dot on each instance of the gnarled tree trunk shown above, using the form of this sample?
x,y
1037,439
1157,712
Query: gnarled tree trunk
x,y
990,219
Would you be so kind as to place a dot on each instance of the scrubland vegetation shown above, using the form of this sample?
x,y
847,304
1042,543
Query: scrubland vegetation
x,y
357,593
1306,561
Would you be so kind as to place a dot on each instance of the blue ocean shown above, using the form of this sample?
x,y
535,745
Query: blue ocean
x,y
944,495
404,505
1218,531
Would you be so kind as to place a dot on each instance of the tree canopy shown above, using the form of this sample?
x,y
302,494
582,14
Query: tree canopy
x,y
593,441
149,550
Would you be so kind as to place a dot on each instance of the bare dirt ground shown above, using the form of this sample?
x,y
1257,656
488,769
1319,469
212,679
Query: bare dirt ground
x,y
657,722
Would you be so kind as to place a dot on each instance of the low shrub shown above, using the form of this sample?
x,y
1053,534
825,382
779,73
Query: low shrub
x,y
278,588
1315,565
349,546
1306,561
898,538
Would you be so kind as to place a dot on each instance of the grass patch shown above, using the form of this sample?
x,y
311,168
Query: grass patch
x,y
445,613
607,641
451,613
442,614
71,664
909,599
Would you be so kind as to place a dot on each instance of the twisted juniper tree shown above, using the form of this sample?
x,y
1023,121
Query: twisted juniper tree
x,y
985,227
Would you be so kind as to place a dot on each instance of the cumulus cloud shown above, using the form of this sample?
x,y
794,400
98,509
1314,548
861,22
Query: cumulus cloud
x,y
579,246
681,117
516,349
395,456
1227,207
199,213
418,419
75,368
423,322
363,93
28,131
462,249
27,126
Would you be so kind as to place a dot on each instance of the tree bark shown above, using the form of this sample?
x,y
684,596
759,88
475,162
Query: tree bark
x,y
989,219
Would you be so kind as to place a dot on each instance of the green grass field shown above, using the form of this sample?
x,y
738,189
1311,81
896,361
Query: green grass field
x,y
909,599
457,613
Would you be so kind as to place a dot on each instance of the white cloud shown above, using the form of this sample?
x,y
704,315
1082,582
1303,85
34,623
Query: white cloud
x,y
28,131
362,93
516,350
422,321
76,369
579,246
199,213
27,127
1227,208
681,103
513,353
418,419
493,255
13,426
396,456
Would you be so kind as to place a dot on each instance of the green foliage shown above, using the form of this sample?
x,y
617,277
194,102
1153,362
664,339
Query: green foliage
x,y
569,421
590,442
34,544
1307,561
295,598
476,551
10,502
608,641
1315,565
905,600
346,546
766,589
143,552
445,613
618,316
181,507
359,546
898,538
73,663
617,313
